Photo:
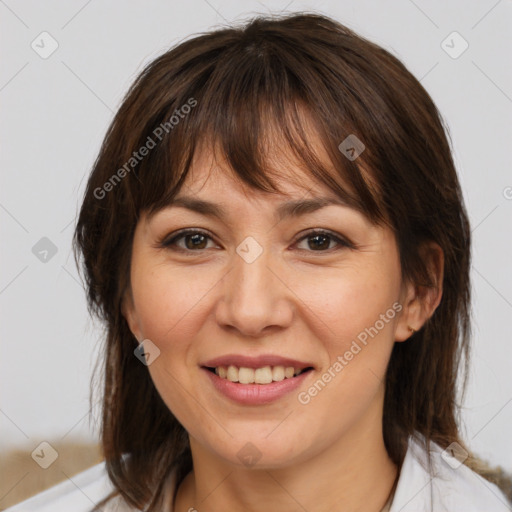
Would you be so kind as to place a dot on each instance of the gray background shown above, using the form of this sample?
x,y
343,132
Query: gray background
x,y
55,112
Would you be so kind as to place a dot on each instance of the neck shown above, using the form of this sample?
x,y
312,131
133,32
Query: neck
x,y
355,474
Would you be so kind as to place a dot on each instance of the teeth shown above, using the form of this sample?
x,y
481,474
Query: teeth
x,y
278,373
232,374
264,375
246,376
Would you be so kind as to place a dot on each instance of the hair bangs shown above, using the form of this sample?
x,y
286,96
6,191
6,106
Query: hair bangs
x,y
259,117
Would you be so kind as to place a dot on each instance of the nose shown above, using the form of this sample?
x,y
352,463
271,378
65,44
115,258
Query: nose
x,y
254,298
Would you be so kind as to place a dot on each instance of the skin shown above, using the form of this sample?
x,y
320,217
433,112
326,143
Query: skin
x,y
292,301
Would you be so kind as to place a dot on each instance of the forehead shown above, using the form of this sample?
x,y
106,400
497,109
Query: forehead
x,y
207,177
211,174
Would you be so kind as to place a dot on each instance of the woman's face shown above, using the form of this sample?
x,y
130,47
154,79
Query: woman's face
x,y
251,290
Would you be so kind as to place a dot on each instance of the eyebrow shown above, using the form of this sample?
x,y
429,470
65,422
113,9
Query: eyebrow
x,y
294,208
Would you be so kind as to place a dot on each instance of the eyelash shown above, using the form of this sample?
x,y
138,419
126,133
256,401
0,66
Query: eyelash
x,y
168,243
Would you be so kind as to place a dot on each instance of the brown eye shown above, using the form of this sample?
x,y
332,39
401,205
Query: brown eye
x,y
196,241
321,241
191,240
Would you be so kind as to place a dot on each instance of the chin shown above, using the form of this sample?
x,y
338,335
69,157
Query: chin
x,y
260,453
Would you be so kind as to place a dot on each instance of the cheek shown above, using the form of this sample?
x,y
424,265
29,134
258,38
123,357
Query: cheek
x,y
348,302
167,300
170,305
355,318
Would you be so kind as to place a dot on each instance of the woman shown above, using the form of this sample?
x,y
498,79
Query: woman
x,y
275,237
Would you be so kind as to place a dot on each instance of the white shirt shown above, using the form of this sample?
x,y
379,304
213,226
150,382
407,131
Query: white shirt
x,y
453,488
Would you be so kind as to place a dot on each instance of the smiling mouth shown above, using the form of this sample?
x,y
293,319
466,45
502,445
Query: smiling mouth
x,y
263,375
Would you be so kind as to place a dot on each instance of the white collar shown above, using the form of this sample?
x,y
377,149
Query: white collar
x,y
448,486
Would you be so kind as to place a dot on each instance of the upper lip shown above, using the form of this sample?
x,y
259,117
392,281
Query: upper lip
x,y
255,362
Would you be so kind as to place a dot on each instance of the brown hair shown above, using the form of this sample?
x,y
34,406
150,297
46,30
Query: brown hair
x,y
239,83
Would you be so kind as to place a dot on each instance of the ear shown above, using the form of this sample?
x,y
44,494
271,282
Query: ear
x,y
129,313
421,300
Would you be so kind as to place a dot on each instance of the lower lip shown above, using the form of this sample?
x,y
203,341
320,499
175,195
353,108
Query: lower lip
x,y
256,394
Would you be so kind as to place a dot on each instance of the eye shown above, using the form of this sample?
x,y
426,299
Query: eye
x,y
193,240
322,241
188,240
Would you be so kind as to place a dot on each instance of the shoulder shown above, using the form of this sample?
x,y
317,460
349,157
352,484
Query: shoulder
x,y
446,486
79,493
